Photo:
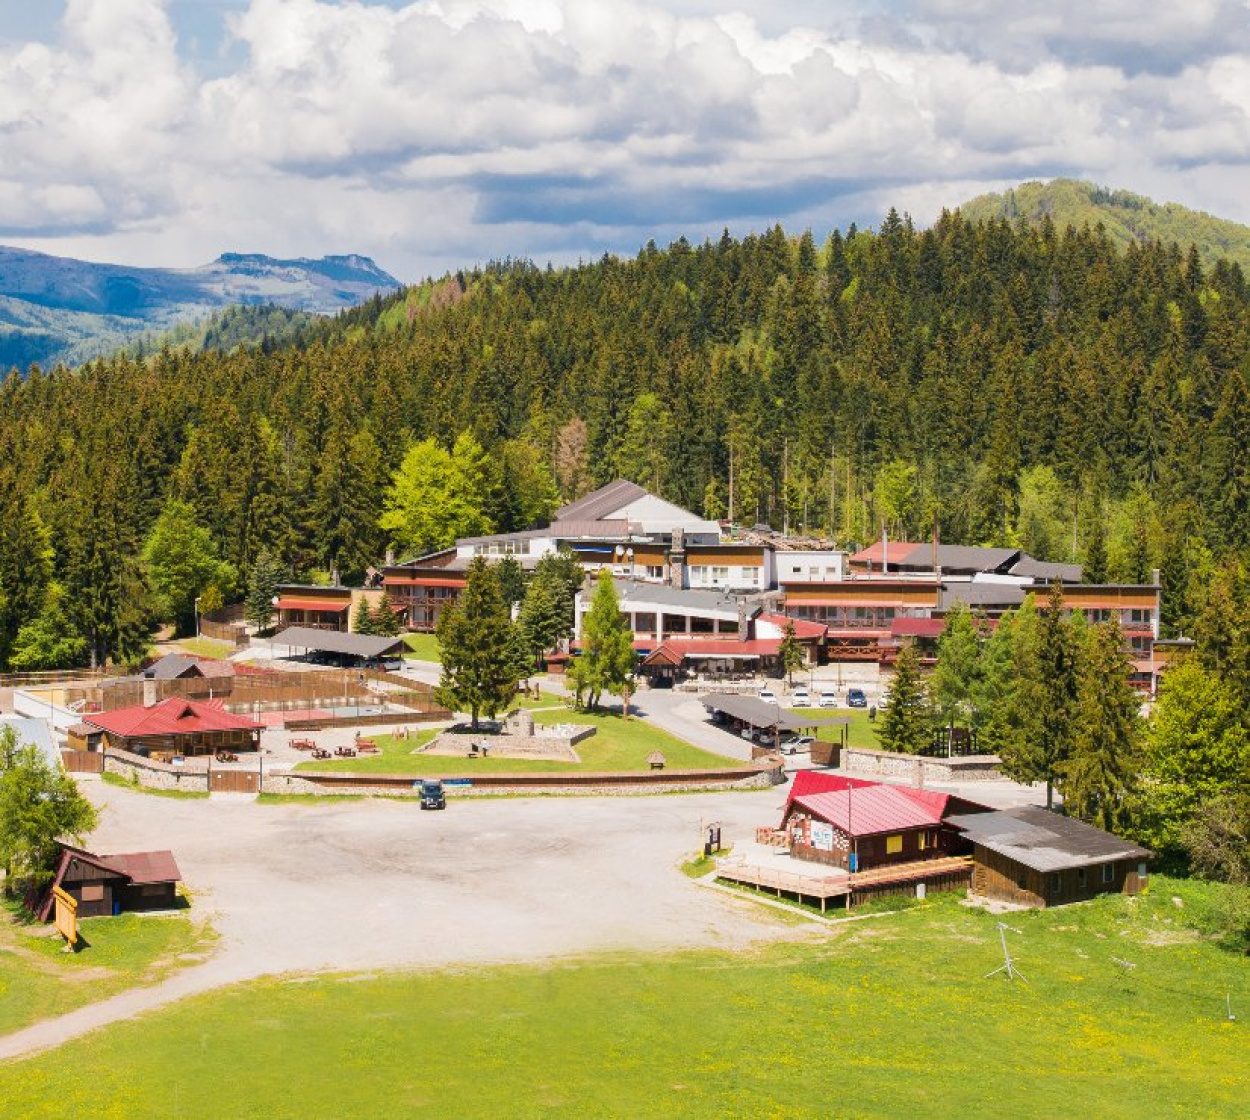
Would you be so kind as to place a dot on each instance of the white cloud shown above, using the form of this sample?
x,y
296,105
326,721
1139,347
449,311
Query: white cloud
x,y
443,132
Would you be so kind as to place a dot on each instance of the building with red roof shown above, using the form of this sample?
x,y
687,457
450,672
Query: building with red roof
x,y
858,825
176,726
105,885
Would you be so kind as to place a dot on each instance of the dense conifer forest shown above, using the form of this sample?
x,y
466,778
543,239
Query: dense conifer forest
x,y
1006,384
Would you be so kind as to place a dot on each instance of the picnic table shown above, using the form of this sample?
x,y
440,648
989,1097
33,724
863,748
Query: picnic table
x,y
367,746
320,752
227,756
303,744
345,752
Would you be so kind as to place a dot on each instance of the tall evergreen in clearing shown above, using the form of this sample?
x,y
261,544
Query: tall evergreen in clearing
x,y
907,726
480,671
1099,774
958,671
607,660
791,652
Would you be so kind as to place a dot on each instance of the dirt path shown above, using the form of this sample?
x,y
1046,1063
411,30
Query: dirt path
x,y
382,885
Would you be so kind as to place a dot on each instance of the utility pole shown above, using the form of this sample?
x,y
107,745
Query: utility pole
x,y
785,487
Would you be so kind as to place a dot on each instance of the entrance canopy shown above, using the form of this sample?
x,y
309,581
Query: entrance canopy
x,y
764,716
364,646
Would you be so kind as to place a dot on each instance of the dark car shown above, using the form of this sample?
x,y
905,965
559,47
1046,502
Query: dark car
x,y
432,795
855,698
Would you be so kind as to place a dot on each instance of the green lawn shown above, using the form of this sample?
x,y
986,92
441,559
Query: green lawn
x,y
889,1017
175,794
423,647
38,980
618,745
862,731
206,647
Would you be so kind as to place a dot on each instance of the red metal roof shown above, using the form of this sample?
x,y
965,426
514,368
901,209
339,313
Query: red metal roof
x,y
803,628
862,808
918,627
330,606
421,581
874,552
171,717
725,647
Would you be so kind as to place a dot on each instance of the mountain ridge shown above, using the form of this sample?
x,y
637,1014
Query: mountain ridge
x,y
1126,216
56,308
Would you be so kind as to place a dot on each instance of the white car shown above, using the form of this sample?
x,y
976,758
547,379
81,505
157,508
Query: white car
x,y
768,696
800,698
794,744
828,699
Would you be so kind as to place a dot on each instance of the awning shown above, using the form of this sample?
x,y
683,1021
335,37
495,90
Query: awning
x,y
418,581
325,606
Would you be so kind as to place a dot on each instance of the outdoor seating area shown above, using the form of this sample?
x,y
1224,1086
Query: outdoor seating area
x,y
320,752
226,756
344,752
303,745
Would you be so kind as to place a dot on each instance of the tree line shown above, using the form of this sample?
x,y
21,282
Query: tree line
x,y
1006,384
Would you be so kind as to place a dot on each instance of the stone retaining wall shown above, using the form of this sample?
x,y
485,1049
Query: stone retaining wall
x,y
919,770
153,774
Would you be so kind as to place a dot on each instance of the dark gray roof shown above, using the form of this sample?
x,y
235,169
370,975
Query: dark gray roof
x,y
1043,840
959,558
760,713
571,528
171,667
601,503
1004,595
333,641
1046,571
630,591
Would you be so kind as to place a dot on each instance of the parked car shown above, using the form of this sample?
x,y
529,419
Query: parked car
x,y
768,696
800,698
793,744
855,698
828,699
432,795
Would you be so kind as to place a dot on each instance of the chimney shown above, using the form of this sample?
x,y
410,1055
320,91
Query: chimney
x,y
677,560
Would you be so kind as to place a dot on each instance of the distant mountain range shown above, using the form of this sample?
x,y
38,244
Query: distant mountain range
x,y
59,309
1125,216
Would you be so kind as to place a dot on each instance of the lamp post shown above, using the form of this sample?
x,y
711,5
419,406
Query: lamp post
x,y
197,617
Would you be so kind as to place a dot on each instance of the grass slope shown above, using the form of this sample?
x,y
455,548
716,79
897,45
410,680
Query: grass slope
x,y
38,980
423,647
862,732
617,745
891,1017
1126,217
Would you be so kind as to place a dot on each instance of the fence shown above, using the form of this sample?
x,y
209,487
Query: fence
x,y
83,762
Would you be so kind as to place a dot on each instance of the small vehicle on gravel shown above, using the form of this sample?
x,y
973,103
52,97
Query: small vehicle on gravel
x,y
768,696
828,699
795,744
432,795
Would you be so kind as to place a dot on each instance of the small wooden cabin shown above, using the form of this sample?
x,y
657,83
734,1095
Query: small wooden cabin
x,y
1030,856
105,885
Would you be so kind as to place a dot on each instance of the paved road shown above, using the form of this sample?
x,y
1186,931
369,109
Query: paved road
x,y
381,884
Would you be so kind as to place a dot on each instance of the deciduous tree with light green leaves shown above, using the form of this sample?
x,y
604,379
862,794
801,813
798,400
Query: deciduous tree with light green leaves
x,y
607,660
182,560
39,805
437,496
51,640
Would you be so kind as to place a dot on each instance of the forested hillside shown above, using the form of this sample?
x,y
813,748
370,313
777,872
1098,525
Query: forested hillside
x,y
1125,216
1012,384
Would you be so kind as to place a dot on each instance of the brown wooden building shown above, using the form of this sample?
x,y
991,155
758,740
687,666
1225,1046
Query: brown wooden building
x,y
105,885
1033,857
176,727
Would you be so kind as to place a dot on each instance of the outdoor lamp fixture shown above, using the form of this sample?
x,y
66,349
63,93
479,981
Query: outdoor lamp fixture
x,y
197,616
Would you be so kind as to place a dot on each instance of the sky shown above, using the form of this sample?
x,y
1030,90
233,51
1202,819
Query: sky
x,y
437,134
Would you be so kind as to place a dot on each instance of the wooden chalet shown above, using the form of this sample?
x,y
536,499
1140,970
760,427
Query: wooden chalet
x,y
176,727
424,587
861,825
860,614
105,885
320,608
1032,857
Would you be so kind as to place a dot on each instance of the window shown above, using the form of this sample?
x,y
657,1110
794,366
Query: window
x,y
893,845
720,574
1056,884
924,840
1080,878
1108,872
655,571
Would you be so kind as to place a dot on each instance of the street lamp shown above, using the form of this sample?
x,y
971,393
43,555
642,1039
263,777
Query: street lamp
x,y
197,617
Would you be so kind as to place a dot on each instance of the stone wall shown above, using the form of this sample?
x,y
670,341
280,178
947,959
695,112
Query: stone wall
x,y
154,775
920,771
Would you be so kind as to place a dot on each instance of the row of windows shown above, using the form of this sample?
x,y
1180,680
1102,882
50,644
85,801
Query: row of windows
x,y
503,548
723,574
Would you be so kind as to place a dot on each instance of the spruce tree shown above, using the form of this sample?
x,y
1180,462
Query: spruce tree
x,y
606,660
908,723
385,619
267,573
1099,774
957,674
363,621
476,639
791,653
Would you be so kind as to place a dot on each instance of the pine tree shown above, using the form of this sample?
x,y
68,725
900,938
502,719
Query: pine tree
x,y
908,723
957,674
475,636
1100,772
363,620
607,660
791,653
511,579
267,573
385,619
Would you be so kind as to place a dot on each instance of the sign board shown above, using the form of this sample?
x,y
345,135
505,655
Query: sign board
x,y
822,836
66,915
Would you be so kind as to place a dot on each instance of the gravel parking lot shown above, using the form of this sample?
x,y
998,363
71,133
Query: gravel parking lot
x,y
369,885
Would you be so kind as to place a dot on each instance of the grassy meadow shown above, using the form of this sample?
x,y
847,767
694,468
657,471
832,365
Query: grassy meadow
x,y
422,647
617,745
39,980
893,1016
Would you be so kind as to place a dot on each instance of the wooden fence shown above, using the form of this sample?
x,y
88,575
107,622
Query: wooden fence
x,y
83,762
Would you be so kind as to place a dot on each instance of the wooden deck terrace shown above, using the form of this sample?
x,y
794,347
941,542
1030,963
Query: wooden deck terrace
x,y
946,871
